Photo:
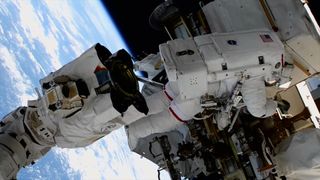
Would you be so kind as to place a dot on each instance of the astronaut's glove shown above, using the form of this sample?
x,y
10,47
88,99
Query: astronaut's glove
x,y
102,52
121,56
124,83
121,102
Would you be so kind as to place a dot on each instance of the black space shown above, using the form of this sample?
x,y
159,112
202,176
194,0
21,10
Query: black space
x,y
315,8
132,20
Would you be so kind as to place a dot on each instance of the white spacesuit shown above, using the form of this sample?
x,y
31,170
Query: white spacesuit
x,y
216,65
96,116
75,110
18,148
98,93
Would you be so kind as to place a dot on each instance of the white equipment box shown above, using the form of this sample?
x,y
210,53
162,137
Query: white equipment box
x,y
195,62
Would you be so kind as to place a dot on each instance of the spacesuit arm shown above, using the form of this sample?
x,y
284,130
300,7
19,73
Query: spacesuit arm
x,y
255,98
83,67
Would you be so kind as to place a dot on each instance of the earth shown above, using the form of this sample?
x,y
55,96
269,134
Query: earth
x,y
38,37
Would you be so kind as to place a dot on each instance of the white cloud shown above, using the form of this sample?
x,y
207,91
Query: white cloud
x,y
37,68
62,11
1,28
36,65
34,30
113,161
21,83
4,10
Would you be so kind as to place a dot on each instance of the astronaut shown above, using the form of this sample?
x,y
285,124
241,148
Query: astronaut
x,y
113,100
216,71
98,93
18,148
80,103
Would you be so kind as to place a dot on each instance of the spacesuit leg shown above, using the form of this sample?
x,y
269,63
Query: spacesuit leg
x,y
98,118
182,109
156,123
177,113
